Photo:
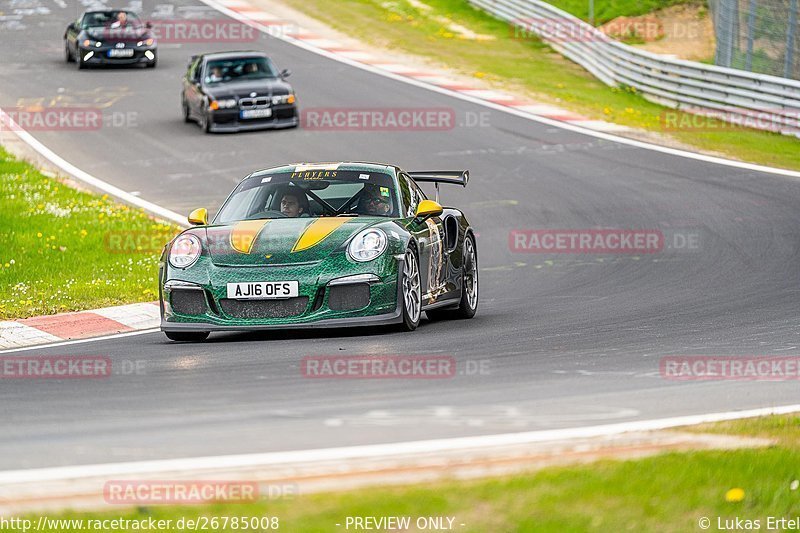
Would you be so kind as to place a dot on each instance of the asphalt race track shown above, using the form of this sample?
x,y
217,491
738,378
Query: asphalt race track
x,y
563,340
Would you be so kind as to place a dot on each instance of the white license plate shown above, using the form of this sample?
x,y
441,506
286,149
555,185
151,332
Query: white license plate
x,y
263,290
120,52
256,113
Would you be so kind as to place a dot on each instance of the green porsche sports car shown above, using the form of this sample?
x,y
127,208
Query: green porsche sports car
x,y
321,245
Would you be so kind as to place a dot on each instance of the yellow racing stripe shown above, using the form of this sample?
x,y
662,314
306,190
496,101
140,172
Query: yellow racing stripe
x,y
317,231
244,234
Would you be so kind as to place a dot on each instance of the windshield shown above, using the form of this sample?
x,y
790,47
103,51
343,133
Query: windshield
x,y
311,194
240,69
111,20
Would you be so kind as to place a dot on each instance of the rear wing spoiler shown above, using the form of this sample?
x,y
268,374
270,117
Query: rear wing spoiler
x,y
453,177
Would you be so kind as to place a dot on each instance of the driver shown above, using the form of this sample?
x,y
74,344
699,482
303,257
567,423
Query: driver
x,y
215,75
122,20
375,200
292,204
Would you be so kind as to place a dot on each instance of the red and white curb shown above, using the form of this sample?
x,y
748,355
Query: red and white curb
x,y
278,27
80,325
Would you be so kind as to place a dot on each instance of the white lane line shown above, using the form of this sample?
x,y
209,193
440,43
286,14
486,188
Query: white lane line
x,y
372,450
85,177
511,110
80,341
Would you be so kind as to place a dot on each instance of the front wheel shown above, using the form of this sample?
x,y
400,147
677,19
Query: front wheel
x,y
411,291
187,336
469,287
67,53
79,60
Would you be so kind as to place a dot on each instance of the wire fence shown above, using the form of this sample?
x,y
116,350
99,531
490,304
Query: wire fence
x,y
758,35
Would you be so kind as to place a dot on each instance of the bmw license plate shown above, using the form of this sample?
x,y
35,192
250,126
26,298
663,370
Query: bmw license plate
x,y
256,113
120,52
263,290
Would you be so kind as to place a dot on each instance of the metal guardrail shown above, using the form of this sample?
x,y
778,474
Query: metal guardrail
x,y
736,96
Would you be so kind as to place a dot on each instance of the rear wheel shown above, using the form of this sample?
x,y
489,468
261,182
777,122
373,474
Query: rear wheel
x,y
411,291
187,336
469,287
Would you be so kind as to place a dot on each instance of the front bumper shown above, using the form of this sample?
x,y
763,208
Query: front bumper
x,y
318,305
100,56
227,120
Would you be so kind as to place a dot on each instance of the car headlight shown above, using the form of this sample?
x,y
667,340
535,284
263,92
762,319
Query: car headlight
x,y
146,42
227,104
87,43
367,245
283,99
185,251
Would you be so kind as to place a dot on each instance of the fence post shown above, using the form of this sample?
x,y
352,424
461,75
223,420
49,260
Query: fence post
x,y
751,27
790,30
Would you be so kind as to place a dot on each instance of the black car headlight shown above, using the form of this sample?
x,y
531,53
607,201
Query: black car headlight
x,y
146,42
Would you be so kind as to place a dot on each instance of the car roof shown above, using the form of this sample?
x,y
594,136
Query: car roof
x,y
234,55
359,166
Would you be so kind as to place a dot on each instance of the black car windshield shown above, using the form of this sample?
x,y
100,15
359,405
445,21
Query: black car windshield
x,y
311,193
111,20
239,69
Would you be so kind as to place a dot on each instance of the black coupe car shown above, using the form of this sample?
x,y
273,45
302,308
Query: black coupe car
x,y
237,91
110,37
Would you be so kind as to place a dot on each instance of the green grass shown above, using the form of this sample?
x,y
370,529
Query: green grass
x,y
668,492
607,10
66,250
529,67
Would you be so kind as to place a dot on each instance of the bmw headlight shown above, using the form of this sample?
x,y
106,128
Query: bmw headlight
x,y
146,42
367,245
185,251
227,104
283,99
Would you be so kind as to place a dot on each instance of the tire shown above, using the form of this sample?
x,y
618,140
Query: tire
x,y
79,61
185,106
153,64
67,54
204,122
469,289
411,291
187,336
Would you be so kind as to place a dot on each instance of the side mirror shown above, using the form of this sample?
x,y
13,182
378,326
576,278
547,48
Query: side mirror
x,y
148,25
71,26
427,209
285,73
199,217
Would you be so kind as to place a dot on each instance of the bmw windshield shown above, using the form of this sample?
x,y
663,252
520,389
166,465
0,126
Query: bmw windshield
x,y
311,194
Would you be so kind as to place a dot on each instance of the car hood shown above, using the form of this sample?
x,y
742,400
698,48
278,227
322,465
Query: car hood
x,y
281,241
243,89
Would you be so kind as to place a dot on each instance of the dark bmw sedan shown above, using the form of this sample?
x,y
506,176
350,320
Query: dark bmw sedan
x,y
110,37
237,91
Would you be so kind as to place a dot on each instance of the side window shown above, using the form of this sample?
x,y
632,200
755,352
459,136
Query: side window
x,y
408,196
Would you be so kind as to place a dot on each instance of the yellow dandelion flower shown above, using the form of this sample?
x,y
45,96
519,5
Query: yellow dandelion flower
x,y
734,495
